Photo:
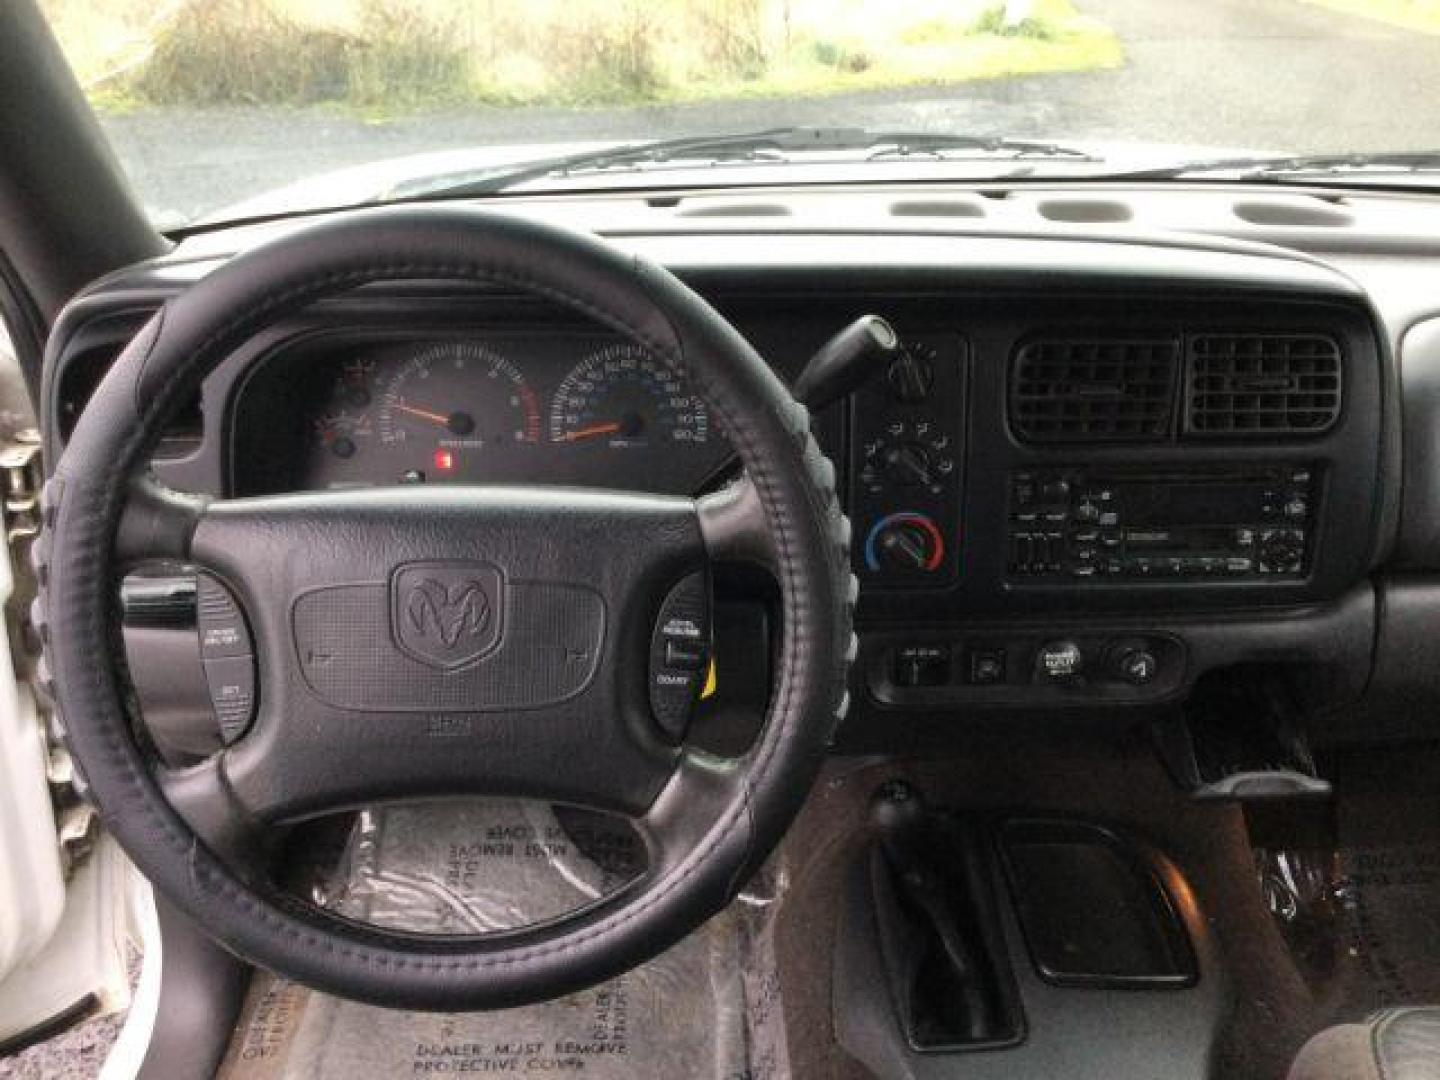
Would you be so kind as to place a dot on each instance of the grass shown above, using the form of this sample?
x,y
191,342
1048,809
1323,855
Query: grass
x,y
378,58
1422,16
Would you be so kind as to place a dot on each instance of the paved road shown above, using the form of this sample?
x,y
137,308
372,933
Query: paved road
x,y
1269,74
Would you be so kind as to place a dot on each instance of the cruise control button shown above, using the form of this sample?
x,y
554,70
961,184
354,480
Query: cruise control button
x,y
231,682
219,621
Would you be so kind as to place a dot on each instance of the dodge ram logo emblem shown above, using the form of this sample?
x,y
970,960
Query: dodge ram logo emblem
x,y
447,614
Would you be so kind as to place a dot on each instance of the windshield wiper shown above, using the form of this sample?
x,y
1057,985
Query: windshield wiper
x,y
1282,168
776,145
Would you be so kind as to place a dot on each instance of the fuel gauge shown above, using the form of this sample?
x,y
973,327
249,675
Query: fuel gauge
x,y
344,424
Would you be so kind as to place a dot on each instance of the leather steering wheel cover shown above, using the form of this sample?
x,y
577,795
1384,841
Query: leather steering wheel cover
x,y
192,334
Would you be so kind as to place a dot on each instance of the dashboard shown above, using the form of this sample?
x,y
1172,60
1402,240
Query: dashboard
x,y
1104,469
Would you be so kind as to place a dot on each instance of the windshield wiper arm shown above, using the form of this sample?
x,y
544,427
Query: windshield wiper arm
x,y
775,145
1279,168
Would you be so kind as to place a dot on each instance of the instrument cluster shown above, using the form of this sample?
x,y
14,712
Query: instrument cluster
x,y
549,409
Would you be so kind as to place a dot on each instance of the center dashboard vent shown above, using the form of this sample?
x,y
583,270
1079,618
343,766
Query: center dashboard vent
x,y
1262,384
1096,390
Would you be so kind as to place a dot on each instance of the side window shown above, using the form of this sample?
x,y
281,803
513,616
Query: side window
x,y
16,413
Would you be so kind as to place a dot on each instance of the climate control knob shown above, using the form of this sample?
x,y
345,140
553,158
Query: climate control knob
x,y
905,543
908,465
912,373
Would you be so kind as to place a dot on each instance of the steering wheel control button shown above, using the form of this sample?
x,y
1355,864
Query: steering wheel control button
x,y
1059,662
922,665
219,621
680,654
231,681
685,655
227,655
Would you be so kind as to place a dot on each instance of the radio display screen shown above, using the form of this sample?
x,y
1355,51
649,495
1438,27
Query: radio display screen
x,y
1200,540
1190,504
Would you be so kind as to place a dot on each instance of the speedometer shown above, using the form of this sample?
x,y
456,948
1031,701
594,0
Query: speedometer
x,y
623,397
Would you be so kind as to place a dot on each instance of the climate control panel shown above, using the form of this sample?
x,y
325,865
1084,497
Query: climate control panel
x,y
907,448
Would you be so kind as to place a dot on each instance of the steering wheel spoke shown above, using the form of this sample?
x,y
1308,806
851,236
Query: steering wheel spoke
x,y
734,526
157,522
201,794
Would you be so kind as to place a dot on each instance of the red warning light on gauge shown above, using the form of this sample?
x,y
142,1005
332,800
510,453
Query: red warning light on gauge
x,y
444,461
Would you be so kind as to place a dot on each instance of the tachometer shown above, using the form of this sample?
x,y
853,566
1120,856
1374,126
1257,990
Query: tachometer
x,y
449,403
621,396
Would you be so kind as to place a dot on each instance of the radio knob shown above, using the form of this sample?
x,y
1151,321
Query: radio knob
x,y
908,465
1282,551
907,543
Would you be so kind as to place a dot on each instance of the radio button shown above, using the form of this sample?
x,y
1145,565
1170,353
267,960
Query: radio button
x,y
1055,490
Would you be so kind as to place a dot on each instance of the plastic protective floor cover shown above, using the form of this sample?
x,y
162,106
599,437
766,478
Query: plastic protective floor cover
x,y
707,1008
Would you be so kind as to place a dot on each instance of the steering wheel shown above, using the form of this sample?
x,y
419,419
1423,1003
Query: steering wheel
x,y
422,642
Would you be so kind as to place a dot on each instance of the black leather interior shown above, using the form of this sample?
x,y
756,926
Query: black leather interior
x,y
713,824
1394,1044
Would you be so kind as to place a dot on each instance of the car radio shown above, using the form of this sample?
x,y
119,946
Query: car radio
x,y
1231,522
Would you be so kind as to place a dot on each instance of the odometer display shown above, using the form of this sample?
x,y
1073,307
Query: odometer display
x,y
622,397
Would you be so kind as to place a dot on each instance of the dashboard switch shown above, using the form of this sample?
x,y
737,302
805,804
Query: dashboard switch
x,y
1059,661
987,667
922,665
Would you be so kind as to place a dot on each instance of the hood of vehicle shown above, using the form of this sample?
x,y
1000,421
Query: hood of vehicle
x,y
416,175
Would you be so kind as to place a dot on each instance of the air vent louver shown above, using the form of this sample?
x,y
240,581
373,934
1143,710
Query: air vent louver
x,y
1069,390
1262,384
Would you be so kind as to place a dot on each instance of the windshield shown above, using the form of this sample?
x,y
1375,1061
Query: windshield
x,y
231,108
